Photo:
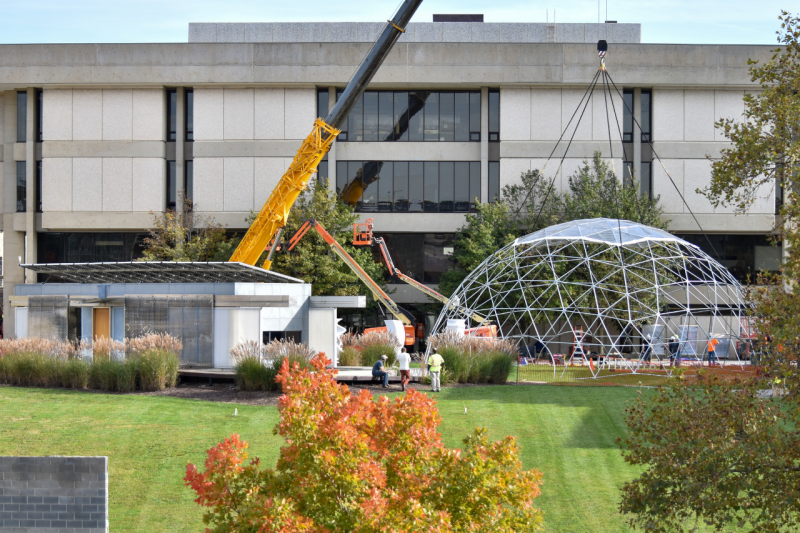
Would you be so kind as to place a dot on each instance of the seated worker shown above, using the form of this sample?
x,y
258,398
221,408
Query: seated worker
x,y
377,370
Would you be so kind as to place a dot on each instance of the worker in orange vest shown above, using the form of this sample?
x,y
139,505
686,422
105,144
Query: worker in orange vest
x,y
712,350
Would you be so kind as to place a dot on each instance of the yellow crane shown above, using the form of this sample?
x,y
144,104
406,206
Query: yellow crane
x,y
273,216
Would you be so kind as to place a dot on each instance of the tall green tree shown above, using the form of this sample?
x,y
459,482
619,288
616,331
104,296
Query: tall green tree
x,y
593,191
312,260
725,453
184,235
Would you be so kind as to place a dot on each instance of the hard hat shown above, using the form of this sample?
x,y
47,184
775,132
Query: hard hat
x,y
384,356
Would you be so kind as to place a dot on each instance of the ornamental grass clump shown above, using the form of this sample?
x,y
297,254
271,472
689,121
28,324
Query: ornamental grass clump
x,y
470,359
156,358
258,364
370,347
42,363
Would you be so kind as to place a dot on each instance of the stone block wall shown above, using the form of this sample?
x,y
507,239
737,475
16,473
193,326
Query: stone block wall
x,y
54,494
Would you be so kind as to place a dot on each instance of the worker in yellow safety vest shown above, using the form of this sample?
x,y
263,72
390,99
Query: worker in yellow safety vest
x,y
435,363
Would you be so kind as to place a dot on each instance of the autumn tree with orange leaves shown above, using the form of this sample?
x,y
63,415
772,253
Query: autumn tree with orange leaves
x,y
354,463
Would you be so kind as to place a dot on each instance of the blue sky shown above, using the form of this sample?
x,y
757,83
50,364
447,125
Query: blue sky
x,y
665,21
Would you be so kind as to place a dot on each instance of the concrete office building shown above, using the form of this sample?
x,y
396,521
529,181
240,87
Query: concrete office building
x,y
96,136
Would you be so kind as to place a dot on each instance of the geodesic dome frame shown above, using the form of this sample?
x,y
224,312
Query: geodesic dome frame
x,y
595,289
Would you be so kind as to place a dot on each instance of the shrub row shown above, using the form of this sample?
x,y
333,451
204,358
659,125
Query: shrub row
x,y
365,350
152,364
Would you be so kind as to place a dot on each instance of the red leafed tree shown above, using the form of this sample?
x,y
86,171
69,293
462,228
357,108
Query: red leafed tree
x,y
352,463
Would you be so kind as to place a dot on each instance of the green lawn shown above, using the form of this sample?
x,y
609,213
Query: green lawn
x,y
568,433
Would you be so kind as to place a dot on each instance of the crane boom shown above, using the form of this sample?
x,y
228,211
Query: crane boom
x,y
365,278
275,212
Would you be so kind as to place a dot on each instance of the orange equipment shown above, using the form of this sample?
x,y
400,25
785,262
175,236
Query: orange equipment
x,y
376,289
364,237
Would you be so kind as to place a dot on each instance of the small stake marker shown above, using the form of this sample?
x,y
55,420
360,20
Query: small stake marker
x,y
235,412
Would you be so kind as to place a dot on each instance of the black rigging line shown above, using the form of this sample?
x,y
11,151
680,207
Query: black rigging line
x,y
530,189
590,90
611,146
648,141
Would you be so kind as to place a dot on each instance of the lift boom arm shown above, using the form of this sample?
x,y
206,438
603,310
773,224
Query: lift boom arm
x,y
387,258
376,290
275,213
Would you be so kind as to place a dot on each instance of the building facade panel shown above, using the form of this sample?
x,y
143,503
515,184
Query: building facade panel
x,y
300,108
149,185
238,114
57,184
515,108
209,113
699,115
57,115
267,171
117,115
727,105
117,184
269,113
662,186
545,117
148,115
238,179
87,115
208,184
87,186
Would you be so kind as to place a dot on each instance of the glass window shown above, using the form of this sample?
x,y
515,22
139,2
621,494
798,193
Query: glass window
x,y
646,181
627,118
188,184
22,116
415,186
80,248
416,103
189,115
22,189
446,182
447,127
322,171
431,186
462,116
432,117
400,186
438,252
172,186
494,181
341,176
400,117
385,115
494,115
474,116
356,121
370,116
354,186
407,253
322,103
172,114
40,105
475,184
462,185
38,186
369,183
344,127
109,247
51,248
647,109
386,187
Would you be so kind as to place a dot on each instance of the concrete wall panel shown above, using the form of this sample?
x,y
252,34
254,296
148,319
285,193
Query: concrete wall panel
x,y
515,110
148,115
149,184
87,184
545,114
57,184
699,115
208,184
57,115
667,115
603,107
238,176
208,114
267,173
117,184
269,113
299,112
238,114
570,99
727,105
87,115
670,199
511,169
117,115
697,175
